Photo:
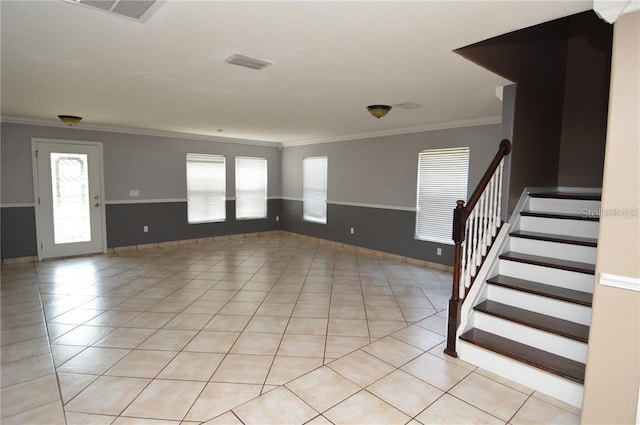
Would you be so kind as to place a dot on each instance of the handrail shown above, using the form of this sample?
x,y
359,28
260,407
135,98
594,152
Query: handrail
x,y
503,150
478,227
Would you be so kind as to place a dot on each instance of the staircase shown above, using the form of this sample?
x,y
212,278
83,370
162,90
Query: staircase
x,y
530,317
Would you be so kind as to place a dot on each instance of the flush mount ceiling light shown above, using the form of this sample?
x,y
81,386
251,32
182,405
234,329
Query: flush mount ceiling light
x,y
378,111
70,120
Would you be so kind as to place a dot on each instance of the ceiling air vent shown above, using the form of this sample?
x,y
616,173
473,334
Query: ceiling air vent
x,y
140,10
247,61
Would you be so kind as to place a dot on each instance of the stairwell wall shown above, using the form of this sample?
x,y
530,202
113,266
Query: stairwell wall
x,y
559,117
612,383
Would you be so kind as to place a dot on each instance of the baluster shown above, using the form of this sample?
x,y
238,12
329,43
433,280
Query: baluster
x,y
476,238
492,209
480,232
499,215
485,223
464,260
469,247
465,275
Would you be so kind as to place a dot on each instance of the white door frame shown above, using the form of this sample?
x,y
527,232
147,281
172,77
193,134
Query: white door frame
x,y
36,189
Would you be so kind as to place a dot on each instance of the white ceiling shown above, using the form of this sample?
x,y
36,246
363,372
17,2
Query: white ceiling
x,y
332,59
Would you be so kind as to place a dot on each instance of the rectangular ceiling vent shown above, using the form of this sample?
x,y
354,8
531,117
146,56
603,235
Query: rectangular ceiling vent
x,y
247,61
409,106
139,10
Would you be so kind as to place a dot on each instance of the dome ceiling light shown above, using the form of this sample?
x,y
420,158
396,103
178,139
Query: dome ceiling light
x,y
378,111
70,120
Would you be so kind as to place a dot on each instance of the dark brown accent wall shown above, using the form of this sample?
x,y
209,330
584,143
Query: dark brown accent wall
x,y
586,94
561,69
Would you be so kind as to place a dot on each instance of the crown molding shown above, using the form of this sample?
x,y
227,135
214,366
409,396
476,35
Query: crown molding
x,y
138,131
400,131
611,10
252,142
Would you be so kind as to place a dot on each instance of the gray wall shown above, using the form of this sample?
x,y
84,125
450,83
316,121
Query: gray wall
x,y
154,165
151,164
167,221
380,172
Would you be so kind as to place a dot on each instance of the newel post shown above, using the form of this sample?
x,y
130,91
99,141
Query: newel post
x,y
455,303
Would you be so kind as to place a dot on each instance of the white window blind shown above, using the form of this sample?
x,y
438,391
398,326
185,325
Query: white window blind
x,y
442,180
251,187
314,189
206,183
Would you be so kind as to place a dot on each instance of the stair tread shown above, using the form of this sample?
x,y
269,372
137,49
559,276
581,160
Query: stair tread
x,y
537,288
572,330
559,215
555,263
568,195
573,240
549,362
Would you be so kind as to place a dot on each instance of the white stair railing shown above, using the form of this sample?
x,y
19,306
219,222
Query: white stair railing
x,y
475,226
481,227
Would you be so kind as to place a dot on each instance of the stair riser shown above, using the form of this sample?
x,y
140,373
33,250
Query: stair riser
x,y
583,254
543,305
536,338
555,386
573,206
547,275
585,229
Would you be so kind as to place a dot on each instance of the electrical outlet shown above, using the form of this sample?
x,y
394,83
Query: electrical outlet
x,y
145,229
438,251
352,231
277,218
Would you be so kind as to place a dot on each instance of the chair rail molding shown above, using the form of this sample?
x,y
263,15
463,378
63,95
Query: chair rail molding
x,y
620,282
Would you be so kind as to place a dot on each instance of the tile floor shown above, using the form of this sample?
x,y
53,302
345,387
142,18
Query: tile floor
x,y
261,330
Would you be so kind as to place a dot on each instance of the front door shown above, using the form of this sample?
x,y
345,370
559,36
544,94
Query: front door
x,y
69,198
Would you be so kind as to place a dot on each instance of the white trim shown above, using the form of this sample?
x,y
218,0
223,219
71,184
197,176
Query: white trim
x,y
144,201
36,195
138,131
355,204
638,408
399,131
170,200
18,205
383,207
36,187
621,282
611,10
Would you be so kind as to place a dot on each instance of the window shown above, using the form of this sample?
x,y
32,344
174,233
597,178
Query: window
x,y
442,180
205,188
314,189
251,187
